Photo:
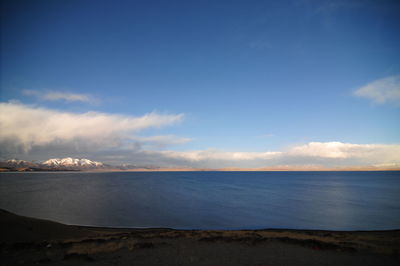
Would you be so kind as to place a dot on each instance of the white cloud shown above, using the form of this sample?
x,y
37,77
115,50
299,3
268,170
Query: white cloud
x,y
324,149
386,90
34,133
63,96
338,150
26,126
326,153
205,155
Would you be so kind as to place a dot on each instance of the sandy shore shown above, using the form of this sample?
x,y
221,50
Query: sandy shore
x,y
26,241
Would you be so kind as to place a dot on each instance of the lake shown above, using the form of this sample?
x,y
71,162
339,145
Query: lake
x,y
208,200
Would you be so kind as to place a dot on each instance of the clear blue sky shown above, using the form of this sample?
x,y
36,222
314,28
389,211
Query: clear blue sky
x,y
247,75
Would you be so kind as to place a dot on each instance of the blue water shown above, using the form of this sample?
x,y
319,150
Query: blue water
x,y
208,200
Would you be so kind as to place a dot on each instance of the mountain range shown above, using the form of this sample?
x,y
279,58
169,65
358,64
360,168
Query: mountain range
x,y
54,164
74,164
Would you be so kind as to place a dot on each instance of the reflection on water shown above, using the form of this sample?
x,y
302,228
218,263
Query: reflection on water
x,y
217,200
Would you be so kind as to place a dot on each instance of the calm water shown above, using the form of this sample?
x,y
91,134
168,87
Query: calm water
x,y
204,200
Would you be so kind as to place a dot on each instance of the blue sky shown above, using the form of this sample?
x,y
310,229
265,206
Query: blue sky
x,y
246,76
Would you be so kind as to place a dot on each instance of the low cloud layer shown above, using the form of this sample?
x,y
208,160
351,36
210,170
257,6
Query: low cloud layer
x,y
386,90
34,133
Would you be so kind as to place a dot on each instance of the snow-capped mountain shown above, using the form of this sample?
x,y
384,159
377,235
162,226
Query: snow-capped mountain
x,y
72,162
55,164
15,161
18,163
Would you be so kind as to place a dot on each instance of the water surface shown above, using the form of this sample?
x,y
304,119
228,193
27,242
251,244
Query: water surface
x,y
208,200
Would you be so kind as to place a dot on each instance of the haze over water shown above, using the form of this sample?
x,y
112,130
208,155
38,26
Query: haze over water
x,y
208,200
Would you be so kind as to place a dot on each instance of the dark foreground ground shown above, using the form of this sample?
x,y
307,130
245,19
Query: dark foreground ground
x,y
28,241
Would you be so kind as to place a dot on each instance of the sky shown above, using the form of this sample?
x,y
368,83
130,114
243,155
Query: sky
x,y
202,83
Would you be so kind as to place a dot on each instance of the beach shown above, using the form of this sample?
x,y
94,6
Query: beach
x,y
30,241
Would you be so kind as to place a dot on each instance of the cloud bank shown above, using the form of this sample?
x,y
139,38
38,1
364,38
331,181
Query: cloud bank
x,y
34,133
330,154
386,90
25,127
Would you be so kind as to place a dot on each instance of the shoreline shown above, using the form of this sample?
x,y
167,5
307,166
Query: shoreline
x,y
28,241
143,170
